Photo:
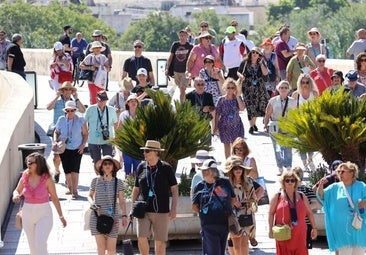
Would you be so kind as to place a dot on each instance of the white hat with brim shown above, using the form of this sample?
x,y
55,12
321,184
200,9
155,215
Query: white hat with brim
x,y
95,45
70,105
208,164
201,156
152,145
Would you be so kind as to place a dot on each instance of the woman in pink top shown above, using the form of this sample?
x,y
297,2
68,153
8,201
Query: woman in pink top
x,y
198,54
37,187
322,75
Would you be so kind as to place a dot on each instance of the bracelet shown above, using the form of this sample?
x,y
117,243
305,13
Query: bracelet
x,y
61,217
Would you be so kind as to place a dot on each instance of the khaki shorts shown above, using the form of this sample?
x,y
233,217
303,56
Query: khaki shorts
x,y
155,222
180,80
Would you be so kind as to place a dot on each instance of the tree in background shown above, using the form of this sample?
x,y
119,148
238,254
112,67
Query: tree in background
x,y
333,124
41,26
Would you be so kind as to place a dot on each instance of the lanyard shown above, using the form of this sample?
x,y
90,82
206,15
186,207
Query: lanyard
x,y
100,117
152,178
69,129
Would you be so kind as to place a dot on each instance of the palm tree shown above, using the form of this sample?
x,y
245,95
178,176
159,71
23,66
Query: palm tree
x,y
181,130
333,124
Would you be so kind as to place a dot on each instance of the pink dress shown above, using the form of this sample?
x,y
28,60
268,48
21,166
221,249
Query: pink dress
x,y
297,244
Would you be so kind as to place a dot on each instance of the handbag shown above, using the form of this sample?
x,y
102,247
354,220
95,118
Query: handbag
x,y
51,129
138,209
245,220
281,232
105,222
127,243
59,148
86,75
357,219
87,215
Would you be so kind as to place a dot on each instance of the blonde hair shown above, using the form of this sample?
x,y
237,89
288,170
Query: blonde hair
x,y
239,141
351,167
312,85
287,174
126,84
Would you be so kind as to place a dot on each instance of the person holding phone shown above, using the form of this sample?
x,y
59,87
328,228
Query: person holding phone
x,y
252,74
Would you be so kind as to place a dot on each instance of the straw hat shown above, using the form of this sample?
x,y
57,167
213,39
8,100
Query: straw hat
x,y
236,161
205,34
152,145
116,164
67,85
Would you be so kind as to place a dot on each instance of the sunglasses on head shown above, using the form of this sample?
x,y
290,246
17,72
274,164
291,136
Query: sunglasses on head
x,y
290,180
137,46
71,110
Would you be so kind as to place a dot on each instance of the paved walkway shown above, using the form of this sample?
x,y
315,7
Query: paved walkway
x,y
73,240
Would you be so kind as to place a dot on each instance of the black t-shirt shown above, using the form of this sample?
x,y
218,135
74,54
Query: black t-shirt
x,y
200,101
16,53
65,39
181,53
157,185
132,64
212,211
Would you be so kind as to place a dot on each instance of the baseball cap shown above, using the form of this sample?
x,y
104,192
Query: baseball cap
x,y
142,71
230,30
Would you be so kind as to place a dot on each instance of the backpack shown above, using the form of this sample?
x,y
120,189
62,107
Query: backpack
x,y
271,68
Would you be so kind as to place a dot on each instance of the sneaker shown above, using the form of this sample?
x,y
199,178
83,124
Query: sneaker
x,y
255,129
251,130
57,177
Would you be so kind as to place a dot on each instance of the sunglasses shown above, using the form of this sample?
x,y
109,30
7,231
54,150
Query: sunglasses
x,y
238,149
342,171
254,52
237,168
234,25
283,87
290,180
321,60
137,46
70,110
107,163
29,163
305,82
147,151
67,89
207,38
230,87
200,84
363,60
208,61
314,33
204,26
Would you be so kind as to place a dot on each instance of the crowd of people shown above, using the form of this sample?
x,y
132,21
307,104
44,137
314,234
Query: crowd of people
x,y
267,81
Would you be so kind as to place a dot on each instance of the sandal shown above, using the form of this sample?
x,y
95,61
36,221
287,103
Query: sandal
x,y
253,242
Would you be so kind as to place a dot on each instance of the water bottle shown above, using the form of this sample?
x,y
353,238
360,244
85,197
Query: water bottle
x,y
361,210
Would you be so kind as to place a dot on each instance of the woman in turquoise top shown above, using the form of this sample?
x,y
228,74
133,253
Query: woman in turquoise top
x,y
341,235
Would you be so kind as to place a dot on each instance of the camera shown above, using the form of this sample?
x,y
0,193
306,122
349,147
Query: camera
x,y
105,132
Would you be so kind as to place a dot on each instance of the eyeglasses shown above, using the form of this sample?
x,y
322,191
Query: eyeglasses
x,y
283,87
107,163
290,180
137,46
204,26
29,163
323,60
200,84
238,149
363,60
147,151
230,87
305,82
314,33
72,110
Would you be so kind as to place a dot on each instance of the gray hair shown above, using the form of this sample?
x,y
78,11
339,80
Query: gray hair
x,y
16,38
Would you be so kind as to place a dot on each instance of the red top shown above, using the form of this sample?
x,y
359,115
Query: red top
x,y
38,194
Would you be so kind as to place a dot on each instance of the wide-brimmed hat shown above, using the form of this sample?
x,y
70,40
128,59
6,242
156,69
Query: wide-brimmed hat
x,y
210,57
116,164
70,105
337,73
152,145
236,161
258,50
131,97
201,156
67,85
96,44
204,34
97,33
314,30
208,164
267,41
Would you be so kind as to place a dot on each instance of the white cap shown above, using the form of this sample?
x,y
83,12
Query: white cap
x,y
142,71
58,46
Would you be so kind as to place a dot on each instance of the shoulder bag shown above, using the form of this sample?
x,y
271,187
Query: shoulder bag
x,y
281,232
105,222
86,74
357,219
18,217
60,147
